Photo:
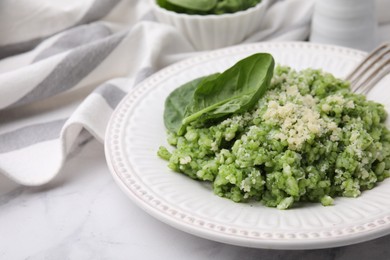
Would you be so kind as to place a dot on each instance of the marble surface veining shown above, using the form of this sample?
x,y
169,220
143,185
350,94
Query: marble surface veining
x,y
84,215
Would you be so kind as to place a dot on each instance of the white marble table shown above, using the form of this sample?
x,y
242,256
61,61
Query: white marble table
x,y
84,215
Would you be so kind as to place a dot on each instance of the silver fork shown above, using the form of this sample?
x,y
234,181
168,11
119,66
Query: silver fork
x,y
371,70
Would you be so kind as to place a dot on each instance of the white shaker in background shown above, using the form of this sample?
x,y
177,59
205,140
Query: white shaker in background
x,y
350,23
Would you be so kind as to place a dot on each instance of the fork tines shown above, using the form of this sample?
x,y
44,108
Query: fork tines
x,y
371,70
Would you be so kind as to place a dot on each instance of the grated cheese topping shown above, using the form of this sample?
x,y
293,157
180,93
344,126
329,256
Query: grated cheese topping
x,y
299,118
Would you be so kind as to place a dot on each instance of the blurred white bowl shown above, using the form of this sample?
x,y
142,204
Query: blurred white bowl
x,y
207,32
349,23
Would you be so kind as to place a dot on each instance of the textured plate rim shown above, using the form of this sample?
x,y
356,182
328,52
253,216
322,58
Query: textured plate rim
x,y
274,240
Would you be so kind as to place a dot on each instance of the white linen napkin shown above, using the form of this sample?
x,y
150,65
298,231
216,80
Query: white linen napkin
x,y
65,65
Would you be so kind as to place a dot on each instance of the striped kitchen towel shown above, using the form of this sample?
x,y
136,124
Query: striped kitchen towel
x,y
65,65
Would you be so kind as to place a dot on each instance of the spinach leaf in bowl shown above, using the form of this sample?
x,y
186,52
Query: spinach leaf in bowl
x,y
204,7
232,6
199,5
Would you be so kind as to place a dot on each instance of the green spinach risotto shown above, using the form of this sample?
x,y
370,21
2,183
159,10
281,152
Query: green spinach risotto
x,y
306,138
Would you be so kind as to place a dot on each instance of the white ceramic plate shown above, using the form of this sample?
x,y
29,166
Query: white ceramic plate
x,y
136,131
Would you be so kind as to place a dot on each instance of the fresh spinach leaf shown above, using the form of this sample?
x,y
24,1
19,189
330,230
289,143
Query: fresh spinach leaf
x,y
171,7
196,5
234,91
177,102
231,6
210,98
205,7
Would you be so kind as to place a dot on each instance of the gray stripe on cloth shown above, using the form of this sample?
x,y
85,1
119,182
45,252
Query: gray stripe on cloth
x,y
15,48
98,10
75,37
143,74
111,93
30,135
72,69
